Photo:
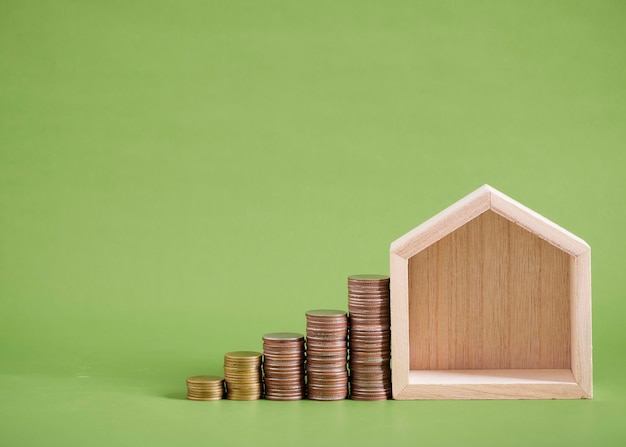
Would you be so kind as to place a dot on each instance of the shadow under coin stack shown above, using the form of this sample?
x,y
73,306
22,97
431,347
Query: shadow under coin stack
x,y
205,388
284,366
242,373
326,347
370,337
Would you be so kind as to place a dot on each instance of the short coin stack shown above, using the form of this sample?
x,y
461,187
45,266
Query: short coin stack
x,y
242,372
326,344
284,366
205,388
370,337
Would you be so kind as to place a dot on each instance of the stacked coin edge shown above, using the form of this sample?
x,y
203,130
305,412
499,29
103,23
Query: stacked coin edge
x,y
327,375
284,366
370,337
205,387
242,375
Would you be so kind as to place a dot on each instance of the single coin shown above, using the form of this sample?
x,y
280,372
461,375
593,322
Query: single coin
x,y
283,347
283,336
354,354
369,308
334,330
285,356
319,358
368,298
330,350
326,398
372,318
272,370
252,397
204,398
356,333
368,288
327,381
285,362
279,363
284,367
208,385
368,277
326,360
376,306
243,355
325,313
287,381
285,398
360,296
368,284
205,379
327,326
327,344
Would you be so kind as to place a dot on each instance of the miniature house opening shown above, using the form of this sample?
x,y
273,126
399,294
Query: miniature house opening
x,y
493,298
490,300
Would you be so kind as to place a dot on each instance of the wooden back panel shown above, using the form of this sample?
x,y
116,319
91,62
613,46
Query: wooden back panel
x,y
490,295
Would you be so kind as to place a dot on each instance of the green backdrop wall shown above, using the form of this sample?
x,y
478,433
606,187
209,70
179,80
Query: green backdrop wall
x,y
178,178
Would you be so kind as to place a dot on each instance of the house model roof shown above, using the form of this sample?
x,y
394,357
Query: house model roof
x,y
483,199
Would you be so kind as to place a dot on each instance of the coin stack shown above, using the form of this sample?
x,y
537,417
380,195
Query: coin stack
x,y
205,387
370,337
326,350
284,366
242,372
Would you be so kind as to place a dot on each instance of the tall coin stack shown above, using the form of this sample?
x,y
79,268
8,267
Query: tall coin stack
x,y
370,337
284,366
326,345
242,373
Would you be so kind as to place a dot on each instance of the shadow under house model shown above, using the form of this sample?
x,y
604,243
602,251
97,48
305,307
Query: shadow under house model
x,y
490,300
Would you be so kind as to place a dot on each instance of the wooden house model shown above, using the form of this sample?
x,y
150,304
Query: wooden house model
x,y
490,300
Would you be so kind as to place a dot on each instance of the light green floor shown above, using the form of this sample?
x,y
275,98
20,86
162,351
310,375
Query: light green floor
x,y
96,408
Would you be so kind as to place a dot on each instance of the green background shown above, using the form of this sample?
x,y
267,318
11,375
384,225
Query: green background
x,y
178,178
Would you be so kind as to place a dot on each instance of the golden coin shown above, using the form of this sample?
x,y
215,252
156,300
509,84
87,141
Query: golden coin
x,y
204,398
205,379
205,387
243,355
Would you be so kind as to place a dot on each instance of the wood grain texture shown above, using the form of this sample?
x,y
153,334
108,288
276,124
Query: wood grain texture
x,y
400,314
581,323
535,223
490,391
490,295
443,223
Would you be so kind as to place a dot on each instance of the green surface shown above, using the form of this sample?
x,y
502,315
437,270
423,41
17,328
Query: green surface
x,y
178,178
